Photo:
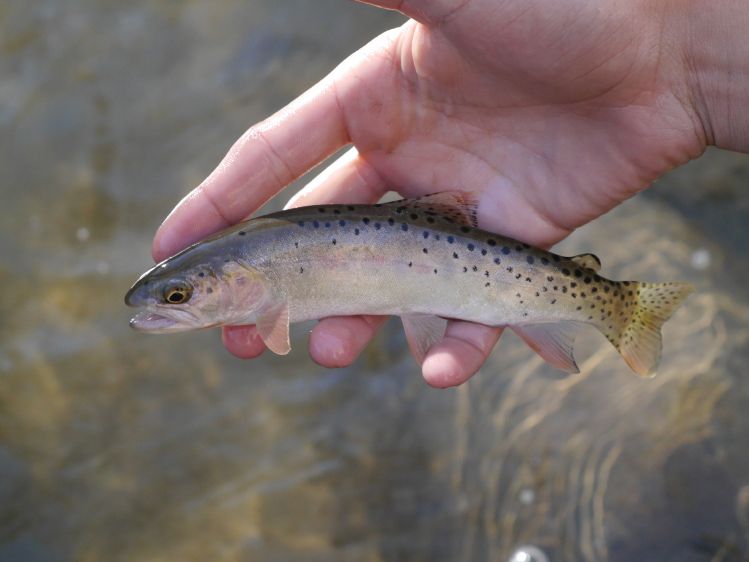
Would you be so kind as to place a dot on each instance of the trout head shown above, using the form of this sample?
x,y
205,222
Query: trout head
x,y
192,290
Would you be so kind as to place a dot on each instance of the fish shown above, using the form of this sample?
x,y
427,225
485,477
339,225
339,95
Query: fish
x,y
423,259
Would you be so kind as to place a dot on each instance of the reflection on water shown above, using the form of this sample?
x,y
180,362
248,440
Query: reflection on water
x,y
119,446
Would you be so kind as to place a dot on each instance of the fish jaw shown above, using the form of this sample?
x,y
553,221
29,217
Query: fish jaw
x,y
152,322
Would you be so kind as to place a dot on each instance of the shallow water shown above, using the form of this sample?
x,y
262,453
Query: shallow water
x,y
119,446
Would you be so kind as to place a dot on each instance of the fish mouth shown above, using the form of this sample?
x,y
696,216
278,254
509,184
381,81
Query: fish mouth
x,y
155,323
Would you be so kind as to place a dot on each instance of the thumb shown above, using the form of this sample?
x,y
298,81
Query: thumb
x,y
428,12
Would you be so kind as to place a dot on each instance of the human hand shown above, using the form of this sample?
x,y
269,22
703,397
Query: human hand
x,y
550,112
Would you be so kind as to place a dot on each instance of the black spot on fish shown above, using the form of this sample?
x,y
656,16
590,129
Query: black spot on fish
x,y
528,279
564,289
483,251
475,268
242,233
400,209
391,222
565,271
497,261
465,269
518,276
414,216
316,224
425,250
486,274
356,231
377,226
538,294
465,229
471,247
430,220
201,274
491,242
556,258
594,290
573,295
301,223
296,244
336,211
553,301
509,269
544,261
342,223
365,220
549,278
404,227
573,284
587,280
327,225
410,264
450,239
582,295
578,273
425,234
505,250
436,236
350,207
487,284
301,270
435,271
209,290
321,209
530,260
334,242
518,248
455,255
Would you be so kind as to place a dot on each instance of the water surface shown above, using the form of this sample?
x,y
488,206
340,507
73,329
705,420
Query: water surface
x,y
119,446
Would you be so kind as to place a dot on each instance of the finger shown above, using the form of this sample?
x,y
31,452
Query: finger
x,y
338,341
266,158
242,341
350,179
460,354
427,12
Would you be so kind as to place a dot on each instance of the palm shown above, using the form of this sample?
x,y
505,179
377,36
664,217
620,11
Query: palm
x,y
552,112
558,131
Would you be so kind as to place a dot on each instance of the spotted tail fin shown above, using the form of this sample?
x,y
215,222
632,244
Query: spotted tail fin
x,y
637,336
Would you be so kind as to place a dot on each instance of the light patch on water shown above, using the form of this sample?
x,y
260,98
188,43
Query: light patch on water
x,y
527,496
83,234
701,259
528,553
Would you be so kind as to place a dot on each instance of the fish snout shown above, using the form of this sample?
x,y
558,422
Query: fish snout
x,y
138,295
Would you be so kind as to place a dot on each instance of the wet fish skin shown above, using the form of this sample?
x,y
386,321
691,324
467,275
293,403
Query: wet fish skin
x,y
423,260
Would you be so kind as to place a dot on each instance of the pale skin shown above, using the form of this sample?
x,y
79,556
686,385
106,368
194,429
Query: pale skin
x,y
552,112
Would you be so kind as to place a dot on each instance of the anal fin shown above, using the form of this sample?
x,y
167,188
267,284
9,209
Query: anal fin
x,y
422,332
554,342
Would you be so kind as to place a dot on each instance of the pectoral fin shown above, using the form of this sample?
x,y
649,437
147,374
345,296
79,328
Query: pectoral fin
x,y
273,327
422,332
553,342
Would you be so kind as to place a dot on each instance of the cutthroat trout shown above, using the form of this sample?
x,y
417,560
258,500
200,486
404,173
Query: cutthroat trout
x,y
421,259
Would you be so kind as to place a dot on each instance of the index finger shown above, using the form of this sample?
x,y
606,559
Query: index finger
x,y
265,159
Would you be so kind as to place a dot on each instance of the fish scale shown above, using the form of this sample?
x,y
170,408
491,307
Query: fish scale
x,y
424,260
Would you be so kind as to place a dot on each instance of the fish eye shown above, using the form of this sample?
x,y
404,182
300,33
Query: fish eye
x,y
177,294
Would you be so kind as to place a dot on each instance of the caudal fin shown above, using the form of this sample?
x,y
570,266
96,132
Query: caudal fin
x,y
638,338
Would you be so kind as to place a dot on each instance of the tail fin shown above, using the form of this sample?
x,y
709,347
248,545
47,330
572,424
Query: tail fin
x,y
638,336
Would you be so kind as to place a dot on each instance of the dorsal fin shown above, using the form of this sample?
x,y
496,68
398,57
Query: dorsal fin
x,y
460,206
588,261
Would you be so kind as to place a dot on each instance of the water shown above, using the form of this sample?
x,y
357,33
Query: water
x,y
120,446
